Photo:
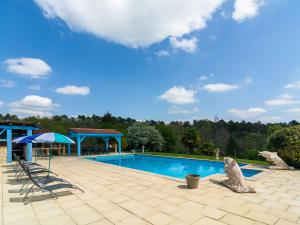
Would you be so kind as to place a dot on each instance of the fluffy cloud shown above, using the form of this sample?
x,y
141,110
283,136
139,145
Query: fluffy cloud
x,y
187,45
1,103
284,99
295,85
270,119
293,110
220,87
33,105
163,53
177,110
179,95
36,87
132,23
73,90
244,9
248,113
206,77
248,80
28,67
203,78
7,83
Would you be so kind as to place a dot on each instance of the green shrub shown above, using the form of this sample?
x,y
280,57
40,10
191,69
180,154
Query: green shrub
x,y
251,154
286,142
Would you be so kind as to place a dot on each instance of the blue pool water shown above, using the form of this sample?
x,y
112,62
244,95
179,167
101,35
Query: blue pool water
x,y
169,166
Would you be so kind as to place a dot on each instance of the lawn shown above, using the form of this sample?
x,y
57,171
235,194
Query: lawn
x,y
248,161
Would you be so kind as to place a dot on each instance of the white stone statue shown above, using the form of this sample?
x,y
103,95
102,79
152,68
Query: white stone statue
x,y
275,160
236,180
217,151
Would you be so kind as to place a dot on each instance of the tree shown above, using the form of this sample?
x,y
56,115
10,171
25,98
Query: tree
x,y
169,135
140,135
287,143
232,147
191,139
156,141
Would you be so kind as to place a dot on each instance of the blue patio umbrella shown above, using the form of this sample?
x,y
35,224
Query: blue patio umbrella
x,y
45,138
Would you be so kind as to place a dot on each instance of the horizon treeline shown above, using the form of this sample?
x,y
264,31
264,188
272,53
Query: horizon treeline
x,y
240,139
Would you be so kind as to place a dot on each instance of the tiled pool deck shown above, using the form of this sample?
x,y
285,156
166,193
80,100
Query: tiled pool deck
x,y
115,195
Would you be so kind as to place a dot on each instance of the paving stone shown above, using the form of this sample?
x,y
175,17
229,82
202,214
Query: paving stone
x,y
261,217
207,221
212,212
62,220
187,216
235,209
124,196
158,219
236,220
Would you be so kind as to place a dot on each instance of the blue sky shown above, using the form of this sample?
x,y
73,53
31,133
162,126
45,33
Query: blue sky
x,y
171,60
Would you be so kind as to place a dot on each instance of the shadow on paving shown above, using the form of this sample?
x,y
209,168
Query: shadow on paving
x,y
9,171
182,186
41,197
15,182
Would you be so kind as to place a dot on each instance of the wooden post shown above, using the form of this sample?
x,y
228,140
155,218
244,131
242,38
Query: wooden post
x,y
9,145
78,146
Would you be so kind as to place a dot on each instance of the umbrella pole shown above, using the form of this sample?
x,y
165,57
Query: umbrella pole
x,y
35,152
50,155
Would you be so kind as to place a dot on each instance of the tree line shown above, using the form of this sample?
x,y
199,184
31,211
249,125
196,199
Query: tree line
x,y
240,139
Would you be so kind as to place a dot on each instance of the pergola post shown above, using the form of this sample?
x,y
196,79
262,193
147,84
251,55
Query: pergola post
x,y
119,139
69,149
29,148
106,139
78,145
9,145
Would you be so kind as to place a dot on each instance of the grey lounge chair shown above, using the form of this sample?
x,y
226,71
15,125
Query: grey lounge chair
x,y
42,184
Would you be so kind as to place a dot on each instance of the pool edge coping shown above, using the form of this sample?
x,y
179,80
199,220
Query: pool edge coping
x,y
203,179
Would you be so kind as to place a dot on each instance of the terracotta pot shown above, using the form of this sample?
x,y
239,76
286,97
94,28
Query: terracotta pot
x,y
192,181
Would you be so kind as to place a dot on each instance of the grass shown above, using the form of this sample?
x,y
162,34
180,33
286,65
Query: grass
x,y
248,161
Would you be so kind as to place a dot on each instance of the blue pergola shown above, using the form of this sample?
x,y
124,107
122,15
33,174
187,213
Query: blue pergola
x,y
8,128
79,134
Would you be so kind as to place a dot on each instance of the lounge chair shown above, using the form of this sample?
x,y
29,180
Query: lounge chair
x,y
42,184
32,167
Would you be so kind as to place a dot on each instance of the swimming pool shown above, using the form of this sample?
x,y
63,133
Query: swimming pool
x,y
168,166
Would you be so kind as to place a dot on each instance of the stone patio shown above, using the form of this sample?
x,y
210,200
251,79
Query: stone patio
x,y
115,195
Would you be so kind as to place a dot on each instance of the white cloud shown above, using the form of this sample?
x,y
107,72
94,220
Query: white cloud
x,y
177,110
285,99
7,83
270,119
206,77
163,53
220,87
293,110
73,90
132,23
36,87
244,9
203,78
187,45
179,95
248,113
248,80
33,105
28,67
295,85
224,14
1,103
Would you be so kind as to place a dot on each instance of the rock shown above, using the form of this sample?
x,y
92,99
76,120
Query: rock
x,y
236,180
275,160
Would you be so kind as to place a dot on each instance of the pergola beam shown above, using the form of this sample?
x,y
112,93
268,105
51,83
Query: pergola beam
x,y
9,131
105,136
